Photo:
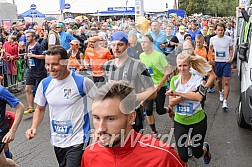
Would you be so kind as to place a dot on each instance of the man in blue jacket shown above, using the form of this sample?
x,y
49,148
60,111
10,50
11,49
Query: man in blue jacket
x,y
65,37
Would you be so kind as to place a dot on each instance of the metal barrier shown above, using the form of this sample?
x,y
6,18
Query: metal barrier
x,y
13,72
8,22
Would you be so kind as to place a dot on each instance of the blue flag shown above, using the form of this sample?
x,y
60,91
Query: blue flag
x,y
62,4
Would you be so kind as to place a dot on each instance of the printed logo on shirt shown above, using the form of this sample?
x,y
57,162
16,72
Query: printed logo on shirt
x,y
125,74
67,93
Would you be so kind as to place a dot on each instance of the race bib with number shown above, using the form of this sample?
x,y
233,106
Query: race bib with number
x,y
62,127
150,70
31,62
221,54
168,49
185,108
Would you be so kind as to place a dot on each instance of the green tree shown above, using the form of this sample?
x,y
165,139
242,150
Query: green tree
x,y
196,6
211,7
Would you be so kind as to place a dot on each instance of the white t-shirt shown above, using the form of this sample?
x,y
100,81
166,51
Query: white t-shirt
x,y
68,112
180,37
192,85
221,47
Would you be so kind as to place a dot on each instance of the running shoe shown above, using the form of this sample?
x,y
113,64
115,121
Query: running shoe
x,y
190,153
221,96
224,105
211,90
28,111
207,157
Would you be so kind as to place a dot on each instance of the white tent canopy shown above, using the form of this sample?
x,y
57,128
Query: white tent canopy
x,y
87,6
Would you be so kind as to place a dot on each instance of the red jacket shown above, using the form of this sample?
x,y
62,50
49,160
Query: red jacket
x,y
147,152
11,49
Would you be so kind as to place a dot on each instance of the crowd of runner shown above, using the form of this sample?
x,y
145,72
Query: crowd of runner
x,y
125,68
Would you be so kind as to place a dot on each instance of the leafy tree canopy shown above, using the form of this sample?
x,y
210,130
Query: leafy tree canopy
x,y
210,7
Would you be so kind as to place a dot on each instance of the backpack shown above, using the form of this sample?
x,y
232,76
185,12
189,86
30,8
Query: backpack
x,y
79,79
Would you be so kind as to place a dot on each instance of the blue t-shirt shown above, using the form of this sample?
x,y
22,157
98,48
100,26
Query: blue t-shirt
x,y
65,39
34,63
22,39
194,34
159,39
6,98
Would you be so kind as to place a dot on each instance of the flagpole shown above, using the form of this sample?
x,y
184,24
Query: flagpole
x,y
62,7
62,15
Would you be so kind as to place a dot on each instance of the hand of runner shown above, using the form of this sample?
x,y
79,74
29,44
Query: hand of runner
x,y
31,55
169,93
30,133
9,137
162,46
172,43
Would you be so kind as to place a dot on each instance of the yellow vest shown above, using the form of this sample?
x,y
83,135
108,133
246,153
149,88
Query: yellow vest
x,y
246,31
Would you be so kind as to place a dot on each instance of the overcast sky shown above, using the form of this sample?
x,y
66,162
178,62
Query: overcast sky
x,y
87,5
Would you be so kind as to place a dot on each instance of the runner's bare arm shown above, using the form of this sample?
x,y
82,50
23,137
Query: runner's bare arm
x,y
18,117
36,56
37,119
149,94
210,54
191,95
231,51
211,77
167,73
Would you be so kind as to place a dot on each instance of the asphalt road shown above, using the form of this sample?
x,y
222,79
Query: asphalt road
x,y
230,145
